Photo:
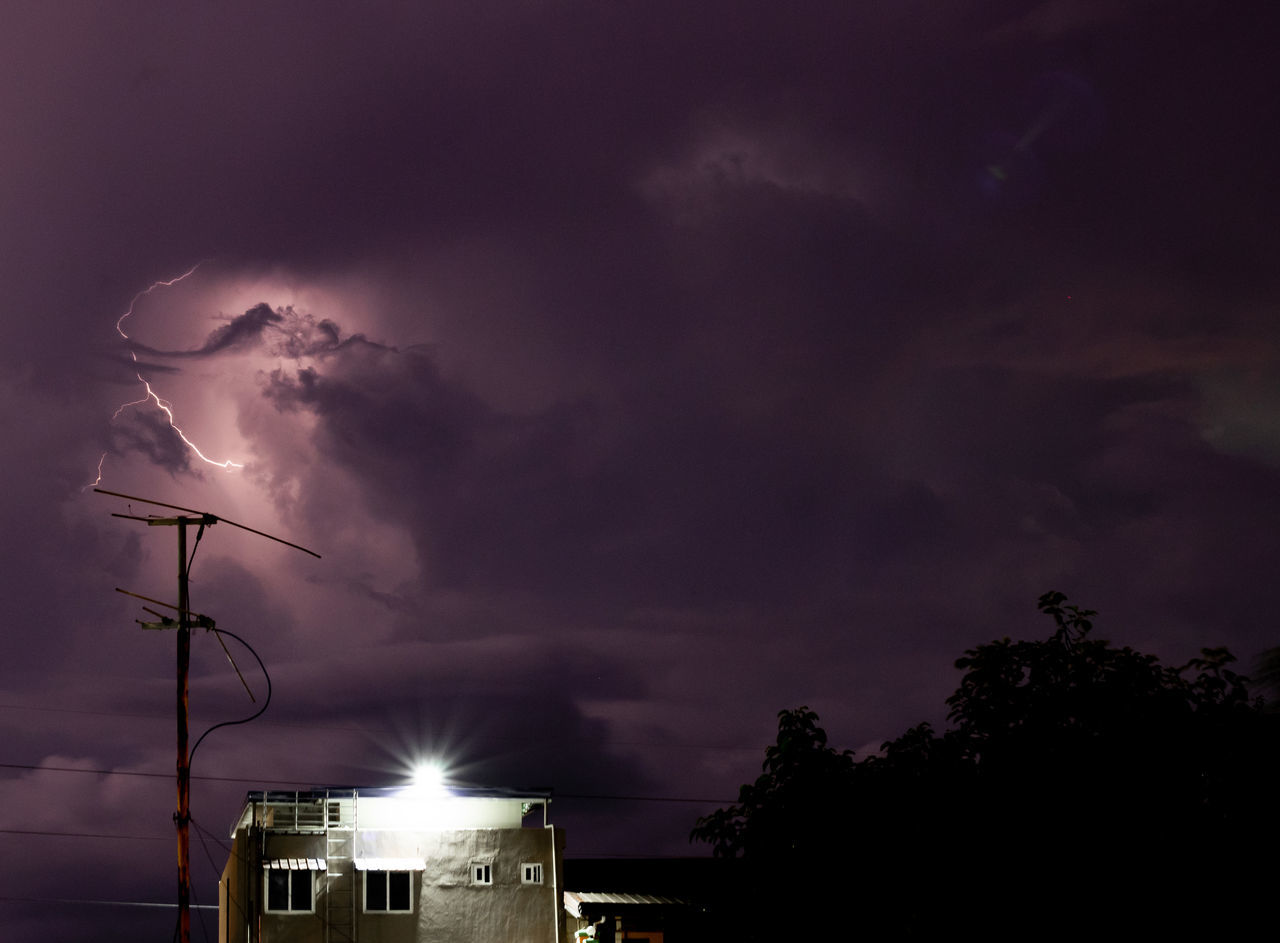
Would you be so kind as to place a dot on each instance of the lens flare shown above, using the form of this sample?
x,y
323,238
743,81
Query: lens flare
x,y
429,778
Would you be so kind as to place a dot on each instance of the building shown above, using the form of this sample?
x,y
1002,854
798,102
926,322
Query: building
x,y
393,866
654,900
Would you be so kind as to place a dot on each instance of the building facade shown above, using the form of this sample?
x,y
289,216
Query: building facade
x,y
393,866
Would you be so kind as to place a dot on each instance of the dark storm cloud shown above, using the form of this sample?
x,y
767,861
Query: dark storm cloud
x,y
304,336
392,602
240,333
492,729
132,368
673,506
150,433
292,334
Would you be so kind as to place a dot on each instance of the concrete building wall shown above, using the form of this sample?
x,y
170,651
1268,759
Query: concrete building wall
x,y
448,906
451,907
293,846
293,927
437,813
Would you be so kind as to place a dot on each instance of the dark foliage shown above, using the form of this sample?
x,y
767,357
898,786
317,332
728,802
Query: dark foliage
x,y
786,811
1082,786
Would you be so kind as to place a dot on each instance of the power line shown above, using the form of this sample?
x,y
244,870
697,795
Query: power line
x,y
576,795
129,772
31,831
378,729
308,783
111,903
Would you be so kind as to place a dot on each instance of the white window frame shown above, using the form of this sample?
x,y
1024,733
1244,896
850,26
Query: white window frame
x,y
290,909
482,874
531,872
388,909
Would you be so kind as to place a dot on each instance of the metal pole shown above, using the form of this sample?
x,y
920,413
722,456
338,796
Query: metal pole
x,y
182,818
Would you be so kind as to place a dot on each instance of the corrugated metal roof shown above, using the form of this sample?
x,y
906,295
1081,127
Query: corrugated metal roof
x,y
391,864
296,864
573,900
613,897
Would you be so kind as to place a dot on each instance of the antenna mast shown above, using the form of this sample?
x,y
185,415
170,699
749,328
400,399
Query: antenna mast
x,y
185,622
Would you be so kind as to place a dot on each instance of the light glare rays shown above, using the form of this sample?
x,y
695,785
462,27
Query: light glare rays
x,y
151,396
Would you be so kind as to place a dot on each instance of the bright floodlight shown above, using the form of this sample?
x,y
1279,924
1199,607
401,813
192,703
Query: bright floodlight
x,y
429,777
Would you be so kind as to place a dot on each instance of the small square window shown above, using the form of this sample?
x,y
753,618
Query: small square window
x,y
288,891
481,873
530,873
388,891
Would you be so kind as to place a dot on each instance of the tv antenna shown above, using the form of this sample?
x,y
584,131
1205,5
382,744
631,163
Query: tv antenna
x,y
184,622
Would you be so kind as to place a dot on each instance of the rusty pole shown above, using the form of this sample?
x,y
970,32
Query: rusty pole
x,y
182,818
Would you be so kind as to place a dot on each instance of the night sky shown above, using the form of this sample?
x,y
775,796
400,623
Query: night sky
x,y
638,369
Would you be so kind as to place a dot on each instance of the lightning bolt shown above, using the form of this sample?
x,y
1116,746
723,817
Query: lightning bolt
x,y
167,408
148,290
151,396
97,481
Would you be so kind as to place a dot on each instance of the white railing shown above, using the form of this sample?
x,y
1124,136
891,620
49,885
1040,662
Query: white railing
x,y
311,811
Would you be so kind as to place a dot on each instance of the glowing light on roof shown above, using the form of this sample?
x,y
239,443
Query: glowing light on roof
x,y
429,778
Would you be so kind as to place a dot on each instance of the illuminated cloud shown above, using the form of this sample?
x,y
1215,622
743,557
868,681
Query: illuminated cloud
x,y
151,434
724,160
240,333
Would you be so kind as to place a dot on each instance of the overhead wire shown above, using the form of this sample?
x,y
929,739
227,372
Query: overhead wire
x,y
43,833
205,836
381,729
308,783
231,723
83,900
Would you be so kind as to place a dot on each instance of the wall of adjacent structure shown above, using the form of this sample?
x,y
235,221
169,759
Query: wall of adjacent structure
x,y
242,893
236,903
231,908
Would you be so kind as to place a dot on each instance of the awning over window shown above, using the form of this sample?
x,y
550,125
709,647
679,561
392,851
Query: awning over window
x,y
590,905
295,864
391,864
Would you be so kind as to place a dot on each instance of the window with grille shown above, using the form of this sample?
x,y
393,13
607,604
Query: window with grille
x,y
530,873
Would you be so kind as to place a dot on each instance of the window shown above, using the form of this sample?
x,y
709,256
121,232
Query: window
x,y
530,873
288,891
388,891
481,872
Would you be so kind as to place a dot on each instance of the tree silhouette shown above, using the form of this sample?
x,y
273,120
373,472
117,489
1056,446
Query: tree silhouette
x,y
786,812
1080,785
788,827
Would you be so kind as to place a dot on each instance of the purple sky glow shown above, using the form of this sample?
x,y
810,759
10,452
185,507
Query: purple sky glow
x,y
638,369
